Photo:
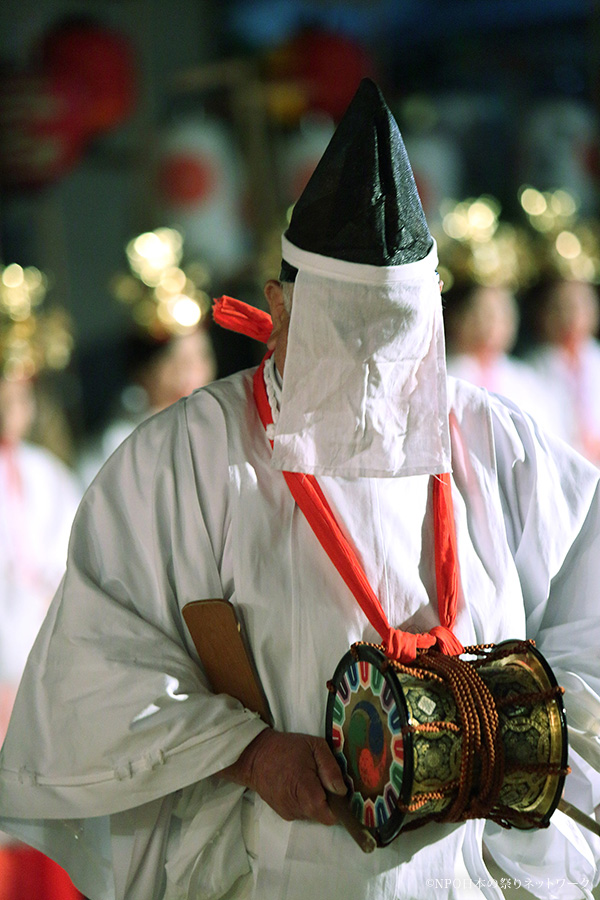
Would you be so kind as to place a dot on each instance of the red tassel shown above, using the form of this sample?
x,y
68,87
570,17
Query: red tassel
x,y
242,318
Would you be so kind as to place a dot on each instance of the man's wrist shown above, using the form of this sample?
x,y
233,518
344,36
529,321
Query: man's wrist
x,y
242,770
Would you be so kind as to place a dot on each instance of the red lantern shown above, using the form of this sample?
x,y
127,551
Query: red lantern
x,y
325,67
42,128
83,85
333,66
101,61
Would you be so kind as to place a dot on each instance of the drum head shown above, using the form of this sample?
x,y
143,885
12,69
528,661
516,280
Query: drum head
x,y
366,715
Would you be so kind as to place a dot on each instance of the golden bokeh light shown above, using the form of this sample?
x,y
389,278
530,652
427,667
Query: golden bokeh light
x,y
163,297
533,201
185,311
31,339
13,276
568,245
474,245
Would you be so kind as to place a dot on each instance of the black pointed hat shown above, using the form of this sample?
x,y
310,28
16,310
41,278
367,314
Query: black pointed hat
x,y
361,203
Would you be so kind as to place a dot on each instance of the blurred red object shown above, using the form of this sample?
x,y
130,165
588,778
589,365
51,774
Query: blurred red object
x,y
26,874
83,84
101,62
186,180
332,66
42,132
320,71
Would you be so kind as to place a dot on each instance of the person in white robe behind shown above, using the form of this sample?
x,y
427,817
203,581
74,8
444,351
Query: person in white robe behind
x,y
39,496
158,372
38,500
481,323
566,354
144,783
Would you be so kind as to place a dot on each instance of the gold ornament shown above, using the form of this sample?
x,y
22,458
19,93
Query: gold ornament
x,y
566,245
31,338
163,298
476,247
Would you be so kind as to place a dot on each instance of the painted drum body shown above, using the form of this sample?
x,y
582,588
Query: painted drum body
x,y
397,734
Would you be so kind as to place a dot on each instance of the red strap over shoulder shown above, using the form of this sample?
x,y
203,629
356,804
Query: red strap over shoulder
x,y
400,645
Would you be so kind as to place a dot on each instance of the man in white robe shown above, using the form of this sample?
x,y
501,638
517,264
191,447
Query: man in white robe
x,y
121,763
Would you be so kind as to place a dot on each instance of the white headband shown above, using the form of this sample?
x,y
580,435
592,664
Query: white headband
x,y
340,270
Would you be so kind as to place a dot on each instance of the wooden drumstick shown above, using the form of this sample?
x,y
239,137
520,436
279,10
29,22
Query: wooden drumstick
x,y
578,816
341,807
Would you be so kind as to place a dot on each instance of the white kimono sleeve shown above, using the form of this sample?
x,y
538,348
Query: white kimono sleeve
x,y
551,503
114,713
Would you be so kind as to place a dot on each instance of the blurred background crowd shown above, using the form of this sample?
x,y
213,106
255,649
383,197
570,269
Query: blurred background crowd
x,y
150,154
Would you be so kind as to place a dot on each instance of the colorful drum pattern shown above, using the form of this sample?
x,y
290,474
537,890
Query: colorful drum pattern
x,y
367,718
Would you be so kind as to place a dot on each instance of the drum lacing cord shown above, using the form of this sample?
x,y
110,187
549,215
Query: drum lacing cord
x,y
501,812
510,699
478,786
532,697
488,652
481,736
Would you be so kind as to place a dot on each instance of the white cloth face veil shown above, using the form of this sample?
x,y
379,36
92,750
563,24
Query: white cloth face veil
x,y
364,392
